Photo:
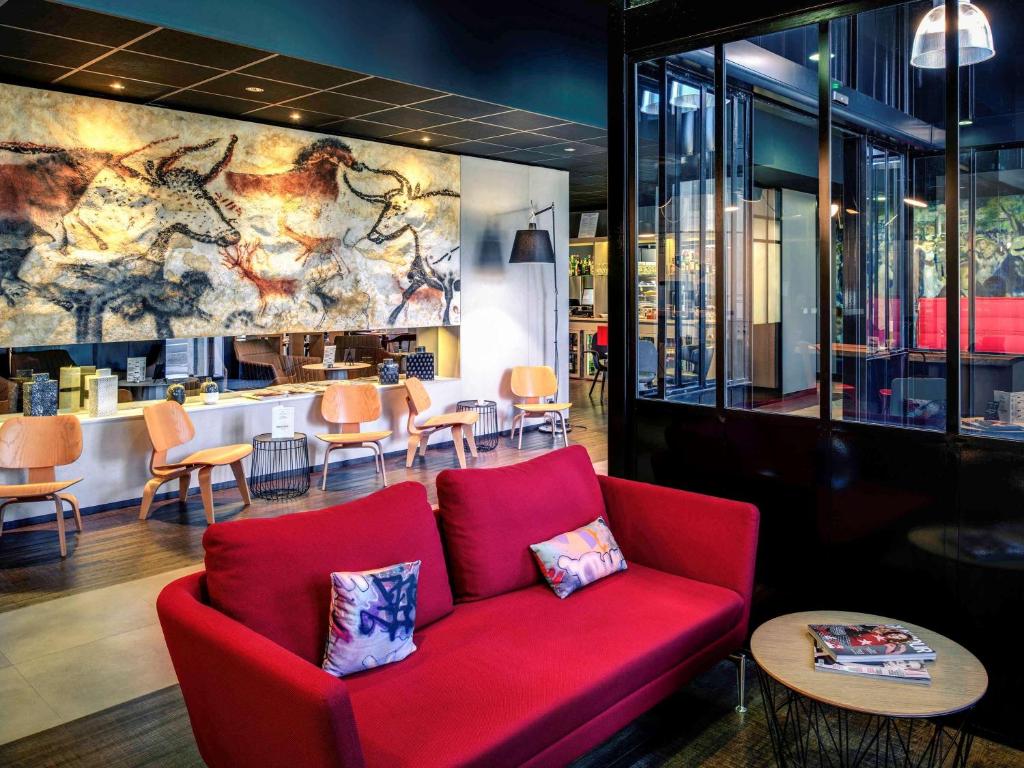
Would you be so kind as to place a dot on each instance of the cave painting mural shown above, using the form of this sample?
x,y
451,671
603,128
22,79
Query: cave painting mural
x,y
122,222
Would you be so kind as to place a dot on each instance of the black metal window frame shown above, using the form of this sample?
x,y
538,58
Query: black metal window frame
x,y
623,387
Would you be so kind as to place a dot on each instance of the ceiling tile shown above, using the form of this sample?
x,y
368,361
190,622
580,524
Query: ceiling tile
x,y
434,140
522,121
523,140
363,129
30,71
407,117
139,66
468,129
235,85
599,142
64,20
390,91
525,156
134,90
573,132
331,103
289,70
283,114
47,48
477,148
198,50
209,102
460,106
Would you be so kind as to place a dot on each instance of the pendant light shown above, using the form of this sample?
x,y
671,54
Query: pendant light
x,y
974,35
684,97
649,103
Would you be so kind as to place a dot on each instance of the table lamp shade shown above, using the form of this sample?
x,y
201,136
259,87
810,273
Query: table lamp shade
x,y
532,246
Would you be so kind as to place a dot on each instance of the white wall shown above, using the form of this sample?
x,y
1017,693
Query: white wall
x,y
507,320
799,291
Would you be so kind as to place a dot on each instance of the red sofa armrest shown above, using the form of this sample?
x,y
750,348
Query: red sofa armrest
x,y
250,701
688,534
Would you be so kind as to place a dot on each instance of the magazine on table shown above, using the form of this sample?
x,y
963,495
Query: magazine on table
x,y
910,671
851,643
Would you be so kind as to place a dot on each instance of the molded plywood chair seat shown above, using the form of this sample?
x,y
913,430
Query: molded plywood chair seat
x,y
350,405
170,426
460,423
533,385
39,444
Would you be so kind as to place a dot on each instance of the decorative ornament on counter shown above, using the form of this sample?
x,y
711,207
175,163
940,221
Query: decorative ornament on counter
x,y
136,370
102,388
210,391
387,372
40,396
176,392
90,372
420,364
70,388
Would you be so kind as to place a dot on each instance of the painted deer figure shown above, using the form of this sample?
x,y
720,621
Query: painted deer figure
x,y
239,258
145,212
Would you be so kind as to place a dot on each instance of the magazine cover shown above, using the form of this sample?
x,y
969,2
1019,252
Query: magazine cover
x,y
862,642
912,671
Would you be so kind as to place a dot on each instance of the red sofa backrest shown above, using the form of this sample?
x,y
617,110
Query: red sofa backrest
x,y
490,517
274,575
998,324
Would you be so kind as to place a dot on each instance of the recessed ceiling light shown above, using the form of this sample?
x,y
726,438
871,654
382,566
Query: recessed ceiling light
x,y
425,139
915,203
817,57
254,89
117,86
570,149
295,116
966,122
731,208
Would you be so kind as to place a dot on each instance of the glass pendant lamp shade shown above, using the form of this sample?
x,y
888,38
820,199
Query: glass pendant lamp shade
x,y
974,35
649,103
683,97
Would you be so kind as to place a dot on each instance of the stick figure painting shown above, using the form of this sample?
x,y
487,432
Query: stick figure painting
x,y
121,222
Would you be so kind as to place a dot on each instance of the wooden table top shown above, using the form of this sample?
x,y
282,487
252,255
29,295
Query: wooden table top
x,y
336,366
783,648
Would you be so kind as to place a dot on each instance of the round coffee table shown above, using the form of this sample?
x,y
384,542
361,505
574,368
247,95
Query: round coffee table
x,y
821,718
338,370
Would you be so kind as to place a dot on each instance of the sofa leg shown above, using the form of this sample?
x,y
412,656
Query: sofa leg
x,y
740,660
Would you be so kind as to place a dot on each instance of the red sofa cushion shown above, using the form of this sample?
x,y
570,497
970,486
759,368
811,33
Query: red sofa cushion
x,y
500,680
490,517
274,575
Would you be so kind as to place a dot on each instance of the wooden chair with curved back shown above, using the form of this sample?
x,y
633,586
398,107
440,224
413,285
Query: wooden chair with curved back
x,y
533,385
350,405
169,426
40,444
461,424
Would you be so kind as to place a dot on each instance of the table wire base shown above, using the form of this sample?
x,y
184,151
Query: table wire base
x,y
808,733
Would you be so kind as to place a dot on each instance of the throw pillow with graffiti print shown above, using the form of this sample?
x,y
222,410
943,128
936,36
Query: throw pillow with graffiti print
x,y
372,618
577,558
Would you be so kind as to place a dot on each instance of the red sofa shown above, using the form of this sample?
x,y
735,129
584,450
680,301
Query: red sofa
x,y
505,673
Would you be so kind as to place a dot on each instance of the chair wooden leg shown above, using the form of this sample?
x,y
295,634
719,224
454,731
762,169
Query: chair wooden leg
x,y
565,432
243,485
183,483
460,449
380,457
2,508
73,501
410,455
424,441
152,485
522,423
470,439
60,526
206,491
327,463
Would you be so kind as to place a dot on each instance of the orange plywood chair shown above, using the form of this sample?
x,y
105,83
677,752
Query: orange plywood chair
x,y
170,426
533,385
460,423
350,405
40,444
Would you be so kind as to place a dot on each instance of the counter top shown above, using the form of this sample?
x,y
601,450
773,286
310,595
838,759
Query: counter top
x,y
229,400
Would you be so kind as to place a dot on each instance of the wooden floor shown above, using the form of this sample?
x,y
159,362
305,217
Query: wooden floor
x,y
116,546
697,727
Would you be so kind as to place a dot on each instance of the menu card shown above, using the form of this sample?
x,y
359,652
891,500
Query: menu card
x,y
283,422
329,353
136,369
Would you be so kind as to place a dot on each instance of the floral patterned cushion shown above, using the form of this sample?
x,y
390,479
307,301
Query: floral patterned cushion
x,y
575,559
372,618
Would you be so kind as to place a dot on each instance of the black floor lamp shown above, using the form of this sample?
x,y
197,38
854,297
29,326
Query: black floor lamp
x,y
533,246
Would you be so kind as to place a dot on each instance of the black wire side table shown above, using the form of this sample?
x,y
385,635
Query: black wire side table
x,y
280,467
485,431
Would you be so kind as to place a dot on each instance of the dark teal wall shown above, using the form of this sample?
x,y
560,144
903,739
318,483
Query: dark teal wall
x,y
538,55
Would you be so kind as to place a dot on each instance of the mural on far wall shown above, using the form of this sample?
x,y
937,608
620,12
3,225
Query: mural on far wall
x,y
122,222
